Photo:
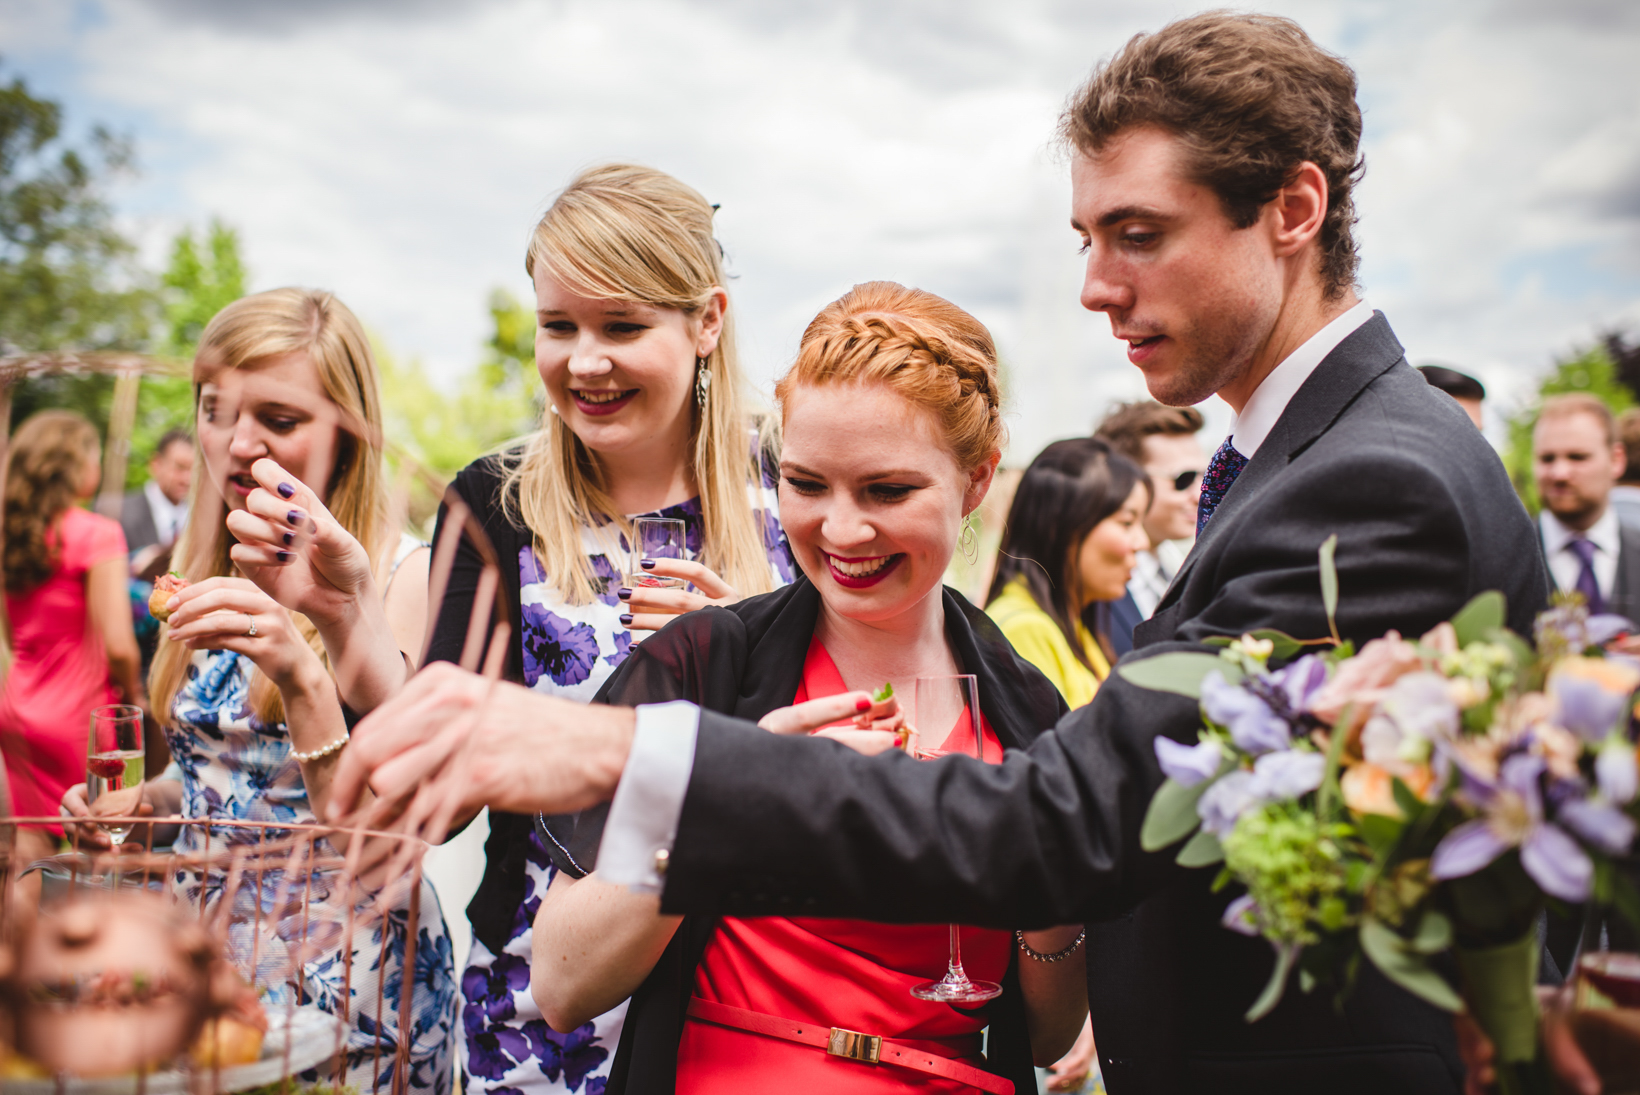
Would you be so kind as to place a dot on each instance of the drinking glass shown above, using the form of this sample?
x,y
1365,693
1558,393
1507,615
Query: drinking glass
x,y
114,757
655,538
948,721
1605,1017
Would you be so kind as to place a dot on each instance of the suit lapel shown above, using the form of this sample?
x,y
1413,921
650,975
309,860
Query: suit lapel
x,y
1365,354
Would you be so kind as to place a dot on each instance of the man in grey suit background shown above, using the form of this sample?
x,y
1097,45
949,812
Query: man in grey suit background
x,y
1578,458
153,516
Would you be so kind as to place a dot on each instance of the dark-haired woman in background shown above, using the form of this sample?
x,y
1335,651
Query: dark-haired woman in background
x,y
1073,531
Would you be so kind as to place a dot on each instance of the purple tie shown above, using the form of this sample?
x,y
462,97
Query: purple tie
x,y
1587,584
1221,472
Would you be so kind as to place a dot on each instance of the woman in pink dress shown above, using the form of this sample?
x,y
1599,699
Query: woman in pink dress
x,y
68,615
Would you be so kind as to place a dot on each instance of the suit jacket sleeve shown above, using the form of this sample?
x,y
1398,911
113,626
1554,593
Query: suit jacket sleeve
x,y
1050,836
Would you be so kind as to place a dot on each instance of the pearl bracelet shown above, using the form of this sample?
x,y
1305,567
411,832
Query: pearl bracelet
x,y
1056,956
321,753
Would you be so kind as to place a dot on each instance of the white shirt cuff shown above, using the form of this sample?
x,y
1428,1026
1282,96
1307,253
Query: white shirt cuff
x,y
643,820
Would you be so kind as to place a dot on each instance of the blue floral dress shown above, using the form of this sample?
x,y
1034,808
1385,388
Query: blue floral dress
x,y
569,651
235,766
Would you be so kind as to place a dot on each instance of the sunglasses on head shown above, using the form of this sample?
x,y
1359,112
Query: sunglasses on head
x,y
1185,479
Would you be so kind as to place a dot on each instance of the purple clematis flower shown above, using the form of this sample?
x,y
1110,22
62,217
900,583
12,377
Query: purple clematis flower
x,y
1513,818
1300,681
1188,765
1598,823
1222,804
1287,774
1591,695
1254,727
1614,770
1241,915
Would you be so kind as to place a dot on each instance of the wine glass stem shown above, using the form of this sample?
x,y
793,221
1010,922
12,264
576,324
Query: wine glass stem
x,y
954,969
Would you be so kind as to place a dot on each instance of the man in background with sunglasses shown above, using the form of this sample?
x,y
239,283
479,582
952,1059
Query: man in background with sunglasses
x,y
1163,441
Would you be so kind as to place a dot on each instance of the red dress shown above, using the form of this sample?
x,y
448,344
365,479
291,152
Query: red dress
x,y
59,670
852,974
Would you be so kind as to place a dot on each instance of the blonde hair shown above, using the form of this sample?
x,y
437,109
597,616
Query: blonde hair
x,y
627,233
45,465
922,347
244,334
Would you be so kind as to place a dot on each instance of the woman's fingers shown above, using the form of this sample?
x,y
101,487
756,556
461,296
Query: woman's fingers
x,y
701,577
869,742
672,602
218,595
805,718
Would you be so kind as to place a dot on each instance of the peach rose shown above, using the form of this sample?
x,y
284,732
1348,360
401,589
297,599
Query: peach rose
x,y
1362,681
1369,789
1442,639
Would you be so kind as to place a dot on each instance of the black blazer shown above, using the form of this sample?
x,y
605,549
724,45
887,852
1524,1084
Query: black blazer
x,y
746,660
137,521
1426,519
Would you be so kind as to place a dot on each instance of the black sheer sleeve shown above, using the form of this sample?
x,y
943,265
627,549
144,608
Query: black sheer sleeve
x,y
478,486
697,657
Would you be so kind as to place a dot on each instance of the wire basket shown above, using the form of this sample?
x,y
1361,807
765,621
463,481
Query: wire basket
x,y
325,924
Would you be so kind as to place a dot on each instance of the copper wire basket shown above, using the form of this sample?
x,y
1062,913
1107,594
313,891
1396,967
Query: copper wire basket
x,y
277,898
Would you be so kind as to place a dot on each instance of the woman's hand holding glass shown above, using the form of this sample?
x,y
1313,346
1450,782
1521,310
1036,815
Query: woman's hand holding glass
x,y
877,726
653,608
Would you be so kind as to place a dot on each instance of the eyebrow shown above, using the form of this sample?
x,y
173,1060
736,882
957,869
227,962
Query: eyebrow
x,y
606,311
874,477
1124,213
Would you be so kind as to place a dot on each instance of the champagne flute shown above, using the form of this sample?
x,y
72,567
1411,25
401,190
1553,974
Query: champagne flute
x,y
114,758
655,538
951,704
1605,1016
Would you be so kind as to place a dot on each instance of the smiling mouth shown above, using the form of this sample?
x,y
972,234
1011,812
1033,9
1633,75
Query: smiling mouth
x,y
601,399
861,572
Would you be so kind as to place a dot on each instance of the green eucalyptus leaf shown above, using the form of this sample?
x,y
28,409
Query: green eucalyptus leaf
x,y
1204,850
1271,996
1380,832
1411,805
1172,814
1434,933
1179,672
1329,579
1396,960
1306,982
1479,617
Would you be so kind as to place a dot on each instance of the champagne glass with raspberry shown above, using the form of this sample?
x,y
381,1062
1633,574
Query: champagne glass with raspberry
x,y
114,759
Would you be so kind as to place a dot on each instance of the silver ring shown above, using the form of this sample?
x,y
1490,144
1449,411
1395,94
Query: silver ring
x,y
250,632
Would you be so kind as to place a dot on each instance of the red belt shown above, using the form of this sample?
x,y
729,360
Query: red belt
x,y
853,1046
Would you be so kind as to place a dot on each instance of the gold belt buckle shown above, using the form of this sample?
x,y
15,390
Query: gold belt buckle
x,y
853,1045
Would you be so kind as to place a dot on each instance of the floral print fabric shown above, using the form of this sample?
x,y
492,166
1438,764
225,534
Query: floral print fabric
x,y
235,766
569,651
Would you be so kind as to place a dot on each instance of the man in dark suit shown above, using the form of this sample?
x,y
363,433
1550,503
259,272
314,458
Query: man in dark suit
x,y
154,516
1212,169
1578,459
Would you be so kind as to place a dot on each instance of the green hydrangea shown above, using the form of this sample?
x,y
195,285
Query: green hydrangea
x,y
1295,868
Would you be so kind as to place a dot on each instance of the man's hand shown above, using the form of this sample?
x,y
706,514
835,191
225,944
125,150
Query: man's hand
x,y
452,742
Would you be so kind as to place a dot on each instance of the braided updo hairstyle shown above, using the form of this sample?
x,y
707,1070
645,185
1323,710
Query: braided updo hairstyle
x,y
928,351
48,458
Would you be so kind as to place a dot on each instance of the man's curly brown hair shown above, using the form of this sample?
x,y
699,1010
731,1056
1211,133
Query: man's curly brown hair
x,y
1253,98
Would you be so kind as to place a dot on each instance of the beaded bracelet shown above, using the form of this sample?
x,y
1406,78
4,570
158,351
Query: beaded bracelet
x,y
1056,956
320,754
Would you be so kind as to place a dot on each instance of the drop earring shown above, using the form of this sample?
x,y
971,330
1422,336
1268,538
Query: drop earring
x,y
703,382
968,542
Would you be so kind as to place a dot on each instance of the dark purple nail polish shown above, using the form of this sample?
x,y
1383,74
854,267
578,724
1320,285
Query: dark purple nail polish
x,y
626,619
286,490
624,593
285,556
290,537
295,516
647,564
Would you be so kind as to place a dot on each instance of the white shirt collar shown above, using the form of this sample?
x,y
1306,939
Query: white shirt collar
x,y
169,516
1249,428
1603,534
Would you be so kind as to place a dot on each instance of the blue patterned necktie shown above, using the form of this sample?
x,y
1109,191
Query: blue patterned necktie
x,y
1587,583
1221,473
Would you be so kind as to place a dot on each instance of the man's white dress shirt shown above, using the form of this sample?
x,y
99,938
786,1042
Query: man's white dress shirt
x,y
169,516
1153,571
643,823
1564,565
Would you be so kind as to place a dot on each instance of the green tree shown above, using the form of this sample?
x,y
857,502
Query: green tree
x,y
68,277
203,278
1591,370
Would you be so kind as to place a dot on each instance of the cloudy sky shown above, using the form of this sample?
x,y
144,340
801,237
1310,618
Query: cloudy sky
x,y
400,152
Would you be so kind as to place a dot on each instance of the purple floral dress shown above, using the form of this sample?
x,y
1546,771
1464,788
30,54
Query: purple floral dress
x,y
569,651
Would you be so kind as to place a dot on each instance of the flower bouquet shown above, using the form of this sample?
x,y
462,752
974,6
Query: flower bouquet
x,y
1413,799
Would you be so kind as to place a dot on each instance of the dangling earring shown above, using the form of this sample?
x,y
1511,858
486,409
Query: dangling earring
x,y
552,408
968,542
703,382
